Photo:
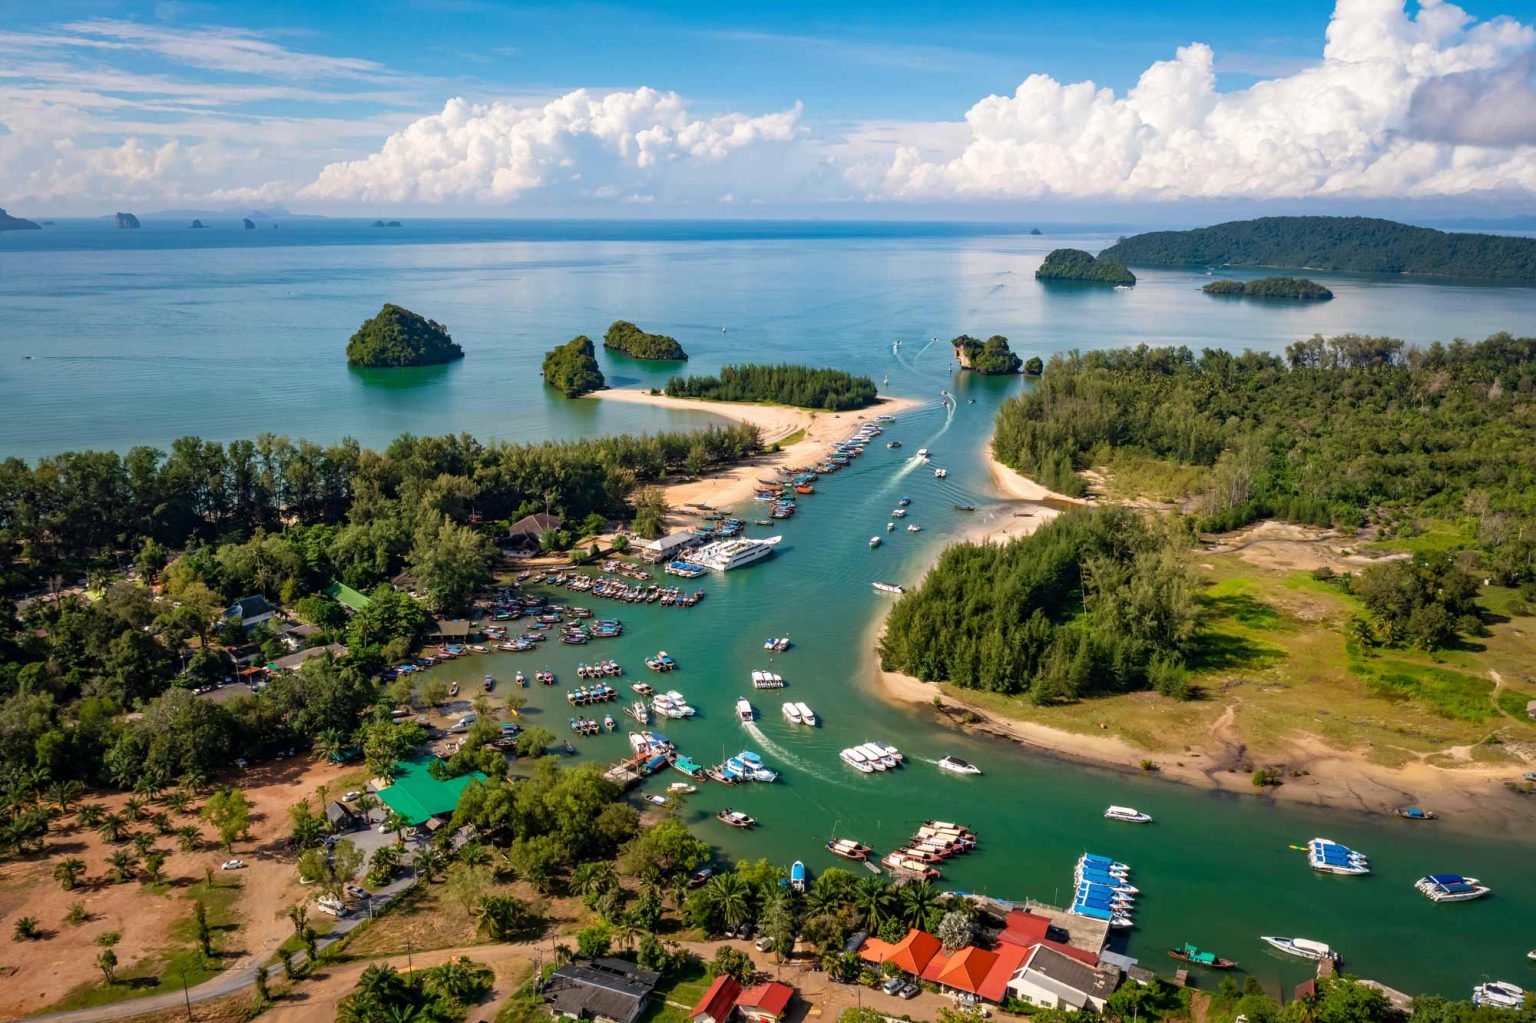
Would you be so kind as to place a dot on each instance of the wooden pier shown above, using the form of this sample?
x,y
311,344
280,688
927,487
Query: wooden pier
x,y
626,774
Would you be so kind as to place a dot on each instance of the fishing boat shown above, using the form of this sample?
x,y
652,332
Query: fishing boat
x,y
453,689
687,765
656,800
792,714
848,849
643,688
1329,857
797,876
744,710
735,818
914,528
874,541
954,765
889,587
1188,953
903,865
890,527
807,715
1499,994
854,759
608,723
1306,948
1451,888
1413,813
1127,815
965,507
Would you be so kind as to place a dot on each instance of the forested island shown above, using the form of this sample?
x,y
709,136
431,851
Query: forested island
x,y
625,337
1363,244
1015,618
1295,288
1334,431
802,386
397,337
10,223
990,357
1077,265
572,368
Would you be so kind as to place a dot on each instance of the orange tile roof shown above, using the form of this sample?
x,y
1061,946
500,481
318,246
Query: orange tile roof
x,y
875,951
771,998
1024,929
913,953
719,999
967,969
936,966
1009,959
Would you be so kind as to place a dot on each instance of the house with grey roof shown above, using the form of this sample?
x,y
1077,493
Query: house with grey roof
x,y
1052,980
604,990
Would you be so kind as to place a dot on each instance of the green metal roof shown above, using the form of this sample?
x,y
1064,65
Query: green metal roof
x,y
344,594
416,795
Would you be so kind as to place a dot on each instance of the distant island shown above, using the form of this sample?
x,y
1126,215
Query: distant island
x,y
1297,288
991,357
572,368
10,223
1361,244
398,337
248,222
1077,265
802,386
197,225
625,337
126,220
1034,230
386,223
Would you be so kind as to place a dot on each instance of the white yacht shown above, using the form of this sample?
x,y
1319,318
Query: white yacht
x,y
856,760
954,765
767,680
807,715
889,750
882,760
1499,994
724,555
889,587
744,710
1306,948
1127,814
792,714
1451,888
922,452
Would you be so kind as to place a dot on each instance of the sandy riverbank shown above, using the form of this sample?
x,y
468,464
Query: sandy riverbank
x,y
734,487
1468,798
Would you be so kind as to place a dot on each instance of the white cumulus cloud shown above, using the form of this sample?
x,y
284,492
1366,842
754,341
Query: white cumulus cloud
x,y
1400,105
495,152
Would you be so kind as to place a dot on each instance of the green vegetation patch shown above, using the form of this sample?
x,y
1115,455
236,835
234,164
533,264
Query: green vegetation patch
x,y
572,368
991,357
625,337
1450,694
398,337
801,386
1077,265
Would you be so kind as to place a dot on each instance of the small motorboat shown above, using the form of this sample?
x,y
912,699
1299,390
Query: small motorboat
x,y
889,587
941,474
874,541
1499,994
700,877
904,502
792,714
681,787
1451,888
735,818
1329,857
1187,953
1127,815
914,528
797,876
893,444
656,800
1414,813
954,765
744,710
965,507
890,527
1306,948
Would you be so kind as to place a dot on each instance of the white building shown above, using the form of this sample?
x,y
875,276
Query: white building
x,y
664,549
1055,981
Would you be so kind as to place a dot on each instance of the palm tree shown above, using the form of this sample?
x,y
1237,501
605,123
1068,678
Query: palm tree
x,y
154,864
68,873
595,876
188,838
143,842
63,793
162,822
427,862
113,826
300,917
366,802
330,743
872,899
626,930
123,864
917,902
730,898
90,814
133,806
396,823
179,800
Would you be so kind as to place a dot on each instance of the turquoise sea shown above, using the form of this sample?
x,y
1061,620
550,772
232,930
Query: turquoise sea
x,y
114,338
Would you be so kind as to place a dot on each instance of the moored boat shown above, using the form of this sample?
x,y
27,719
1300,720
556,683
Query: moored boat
x,y
1499,994
792,714
735,818
1451,888
856,760
797,876
1306,948
848,849
874,541
1127,815
1414,813
807,716
1187,953
1329,857
888,587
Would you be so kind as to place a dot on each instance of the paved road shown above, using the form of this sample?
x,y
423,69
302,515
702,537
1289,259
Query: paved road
x,y
234,979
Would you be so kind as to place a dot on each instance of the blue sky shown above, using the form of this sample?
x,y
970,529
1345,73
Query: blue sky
x,y
692,107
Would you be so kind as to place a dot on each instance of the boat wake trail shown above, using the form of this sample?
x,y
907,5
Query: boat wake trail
x,y
784,756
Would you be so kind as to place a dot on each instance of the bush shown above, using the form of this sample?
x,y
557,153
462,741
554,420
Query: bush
x,y
1263,778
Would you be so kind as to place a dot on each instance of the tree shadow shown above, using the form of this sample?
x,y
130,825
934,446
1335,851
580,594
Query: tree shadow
x,y
1246,611
1225,651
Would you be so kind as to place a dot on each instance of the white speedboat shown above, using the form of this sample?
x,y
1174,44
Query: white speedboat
x,y
881,760
1451,888
767,680
914,528
1127,814
922,452
1499,994
1329,857
889,588
954,765
1306,948
807,715
792,714
744,710
874,541
890,751
941,473
681,787
856,760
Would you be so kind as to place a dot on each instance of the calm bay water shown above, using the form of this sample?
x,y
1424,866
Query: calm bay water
x,y
139,337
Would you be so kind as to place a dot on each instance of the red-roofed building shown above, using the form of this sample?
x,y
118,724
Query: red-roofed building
x,y
913,953
718,1001
1025,929
1009,958
967,969
765,1003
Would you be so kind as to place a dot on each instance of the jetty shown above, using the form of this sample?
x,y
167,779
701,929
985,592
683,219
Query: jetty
x,y
629,772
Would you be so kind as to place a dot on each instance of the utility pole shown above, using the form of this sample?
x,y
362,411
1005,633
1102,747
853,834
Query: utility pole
x,y
408,966
186,995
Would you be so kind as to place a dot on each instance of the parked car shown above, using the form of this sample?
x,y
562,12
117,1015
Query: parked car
x,y
765,943
232,865
357,892
908,990
893,985
354,794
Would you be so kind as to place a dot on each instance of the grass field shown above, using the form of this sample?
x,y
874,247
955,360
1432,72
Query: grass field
x,y
683,987
180,961
1275,651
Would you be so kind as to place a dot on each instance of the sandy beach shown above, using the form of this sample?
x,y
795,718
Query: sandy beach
x,y
735,486
1468,798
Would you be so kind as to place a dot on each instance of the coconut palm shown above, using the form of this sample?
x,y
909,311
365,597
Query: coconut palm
x,y
90,814
123,864
143,842
917,903
113,827
873,899
396,823
592,877
154,864
730,898
188,838
179,800
62,793
427,862
330,743
133,806
68,873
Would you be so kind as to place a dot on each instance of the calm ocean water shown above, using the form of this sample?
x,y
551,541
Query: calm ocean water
x,y
139,337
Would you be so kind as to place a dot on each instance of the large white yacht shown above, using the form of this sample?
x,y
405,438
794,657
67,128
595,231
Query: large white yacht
x,y
724,555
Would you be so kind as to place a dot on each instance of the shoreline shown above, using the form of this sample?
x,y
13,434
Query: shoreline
x,y
1470,799
736,484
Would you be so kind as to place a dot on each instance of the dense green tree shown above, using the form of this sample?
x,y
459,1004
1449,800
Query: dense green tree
x,y
990,357
806,387
1077,265
230,813
398,337
1292,288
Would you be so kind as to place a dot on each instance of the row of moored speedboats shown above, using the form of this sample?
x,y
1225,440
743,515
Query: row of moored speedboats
x,y
1102,890
869,757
